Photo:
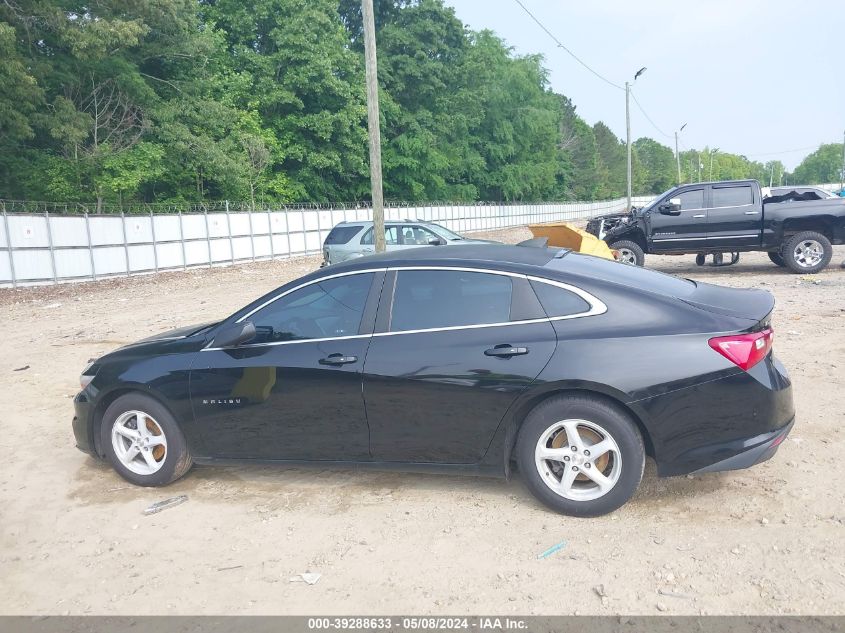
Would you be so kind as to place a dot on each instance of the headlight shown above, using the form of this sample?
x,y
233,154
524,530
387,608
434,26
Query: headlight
x,y
88,373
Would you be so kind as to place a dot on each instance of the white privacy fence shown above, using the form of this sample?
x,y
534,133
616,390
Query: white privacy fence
x,y
46,247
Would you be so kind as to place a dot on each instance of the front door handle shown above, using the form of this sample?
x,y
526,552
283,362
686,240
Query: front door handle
x,y
751,212
338,359
700,215
505,351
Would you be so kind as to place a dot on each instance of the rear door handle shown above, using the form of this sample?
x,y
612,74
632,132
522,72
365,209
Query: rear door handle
x,y
700,215
505,351
751,212
338,359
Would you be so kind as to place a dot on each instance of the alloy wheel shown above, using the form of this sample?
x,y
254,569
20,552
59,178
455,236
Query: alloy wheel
x,y
139,442
627,256
578,460
808,253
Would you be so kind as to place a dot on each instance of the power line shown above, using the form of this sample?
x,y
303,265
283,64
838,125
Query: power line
x,y
786,151
560,45
653,124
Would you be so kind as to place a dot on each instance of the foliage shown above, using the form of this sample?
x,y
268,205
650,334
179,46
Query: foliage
x,y
822,166
263,100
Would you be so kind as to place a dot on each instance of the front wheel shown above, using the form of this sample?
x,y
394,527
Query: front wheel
x,y
629,252
807,252
580,456
143,442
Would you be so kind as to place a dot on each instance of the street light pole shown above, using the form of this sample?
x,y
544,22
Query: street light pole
x,y
628,129
373,123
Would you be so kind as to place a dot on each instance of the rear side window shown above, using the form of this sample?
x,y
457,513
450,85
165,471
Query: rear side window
x,y
391,236
426,299
342,233
558,301
732,196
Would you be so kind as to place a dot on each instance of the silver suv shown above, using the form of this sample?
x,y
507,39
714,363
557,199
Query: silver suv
x,y
349,240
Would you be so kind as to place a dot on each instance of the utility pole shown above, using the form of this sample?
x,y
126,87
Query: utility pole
x,y
628,137
678,153
842,175
712,151
628,129
373,122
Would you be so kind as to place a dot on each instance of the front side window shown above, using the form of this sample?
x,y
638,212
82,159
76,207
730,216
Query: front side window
x,y
732,196
692,199
426,299
323,309
391,236
417,236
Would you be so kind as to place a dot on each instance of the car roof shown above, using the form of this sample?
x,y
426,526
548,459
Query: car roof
x,y
455,255
369,223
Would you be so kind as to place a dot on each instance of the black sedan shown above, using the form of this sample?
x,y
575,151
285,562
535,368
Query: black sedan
x,y
457,359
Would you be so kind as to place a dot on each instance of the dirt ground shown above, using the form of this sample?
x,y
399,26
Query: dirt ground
x,y
73,539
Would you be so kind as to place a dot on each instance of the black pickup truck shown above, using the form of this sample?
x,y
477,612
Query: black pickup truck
x,y
728,217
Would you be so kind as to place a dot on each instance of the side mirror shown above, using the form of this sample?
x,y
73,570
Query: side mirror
x,y
234,335
671,207
435,241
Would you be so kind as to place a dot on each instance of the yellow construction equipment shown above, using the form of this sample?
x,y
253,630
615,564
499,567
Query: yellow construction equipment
x,y
567,236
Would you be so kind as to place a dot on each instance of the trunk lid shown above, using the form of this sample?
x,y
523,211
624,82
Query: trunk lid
x,y
753,304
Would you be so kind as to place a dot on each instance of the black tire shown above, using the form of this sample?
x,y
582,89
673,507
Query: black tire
x,y
777,259
629,251
700,259
795,263
175,460
610,418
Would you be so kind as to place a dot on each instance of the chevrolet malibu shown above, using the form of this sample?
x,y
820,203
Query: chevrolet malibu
x,y
462,359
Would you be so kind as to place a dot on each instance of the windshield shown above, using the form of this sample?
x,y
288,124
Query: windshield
x,y
444,232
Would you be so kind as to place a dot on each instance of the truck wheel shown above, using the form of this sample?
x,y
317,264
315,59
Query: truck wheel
x,y
629,252
700,259
777,259
807,252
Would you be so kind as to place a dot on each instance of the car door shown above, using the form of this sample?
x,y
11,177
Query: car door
x,y
294,391
450,354
733,219
684,228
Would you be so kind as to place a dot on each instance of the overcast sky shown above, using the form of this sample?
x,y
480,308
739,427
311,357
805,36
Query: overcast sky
x,y
753,77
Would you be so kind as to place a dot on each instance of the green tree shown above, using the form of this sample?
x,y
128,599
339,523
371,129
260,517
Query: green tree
x,y
822,166
657,163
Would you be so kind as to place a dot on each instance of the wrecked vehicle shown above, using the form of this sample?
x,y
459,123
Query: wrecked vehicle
x,y
728,217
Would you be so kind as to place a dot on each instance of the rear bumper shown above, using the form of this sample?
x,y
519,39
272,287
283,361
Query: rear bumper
x,y
750,452
724,424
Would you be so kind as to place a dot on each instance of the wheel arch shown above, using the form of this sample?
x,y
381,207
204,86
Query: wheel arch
x,y
635,235
794,226
598,392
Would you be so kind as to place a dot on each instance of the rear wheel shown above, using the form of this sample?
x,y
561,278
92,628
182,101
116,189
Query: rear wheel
x,y
807,252
143,442
777,259
629,252
580,455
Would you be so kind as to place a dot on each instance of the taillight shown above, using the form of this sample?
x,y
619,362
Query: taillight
x,y
744,350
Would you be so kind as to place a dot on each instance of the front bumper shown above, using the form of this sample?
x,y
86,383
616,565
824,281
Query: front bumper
x,y
751,451
82,423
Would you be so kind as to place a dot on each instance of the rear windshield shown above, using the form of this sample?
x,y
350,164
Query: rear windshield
x,y
607,270
341,234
